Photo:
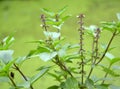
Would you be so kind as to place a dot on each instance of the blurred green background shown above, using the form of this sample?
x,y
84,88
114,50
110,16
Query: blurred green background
x,y
23,18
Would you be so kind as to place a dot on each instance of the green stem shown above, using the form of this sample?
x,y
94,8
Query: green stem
x,y
114,34
106,74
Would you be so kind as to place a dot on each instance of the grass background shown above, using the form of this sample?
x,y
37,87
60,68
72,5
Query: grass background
x,y
23,18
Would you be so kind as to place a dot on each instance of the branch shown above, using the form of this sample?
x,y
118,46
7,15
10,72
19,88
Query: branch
x,y
17,68
114,34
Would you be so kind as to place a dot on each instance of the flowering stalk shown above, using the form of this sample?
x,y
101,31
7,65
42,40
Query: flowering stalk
x,y
81,50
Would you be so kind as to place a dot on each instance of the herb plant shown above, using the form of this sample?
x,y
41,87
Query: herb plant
x,y
73,64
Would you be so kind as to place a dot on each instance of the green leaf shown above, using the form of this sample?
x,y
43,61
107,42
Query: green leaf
x,y
70,83
7,66
114,87
109,55
47,55
61,11
6,55
53,87
65,17
38,76
7,42
4,79
52,35
48,12
89,84
20,60
102,86
110,72
114,60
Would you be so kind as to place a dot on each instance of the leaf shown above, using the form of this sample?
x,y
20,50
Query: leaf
x,y
20,60
114,87
70,83
53,87
114,60
110,72
4,79
38,76
6,55
118,16
89,84
56,76
61,11
47,56
109,55
48,12
7,41
52,35
102,86
65,17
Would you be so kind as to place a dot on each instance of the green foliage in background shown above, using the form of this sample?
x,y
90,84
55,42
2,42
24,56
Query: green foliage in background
x,y
72,64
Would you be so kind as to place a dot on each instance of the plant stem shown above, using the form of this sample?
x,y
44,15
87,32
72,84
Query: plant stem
x,y
81,50
109,43
113,35
106,75
62,66
17,68
44,22
12,80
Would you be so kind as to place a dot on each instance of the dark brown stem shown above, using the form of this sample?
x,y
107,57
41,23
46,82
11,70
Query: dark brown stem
x,y
17,68
12,80
44,22
113,35
81,50
62,66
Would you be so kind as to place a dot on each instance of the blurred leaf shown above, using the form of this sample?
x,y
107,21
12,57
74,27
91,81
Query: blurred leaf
x,y
65,17
25,84
102,86
44,67
53,87
7,41
70,83
114,60
47,56
48,12
37,76
110,72
90,84
52,35
61,11
114,87
109,55
56,76
20,60
4,79
6,55
118,16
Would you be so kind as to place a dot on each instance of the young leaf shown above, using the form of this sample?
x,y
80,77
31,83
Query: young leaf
x,y
60,12
89,84
6,55
70,83
47,55
37,76
48,12
7,42
52,35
